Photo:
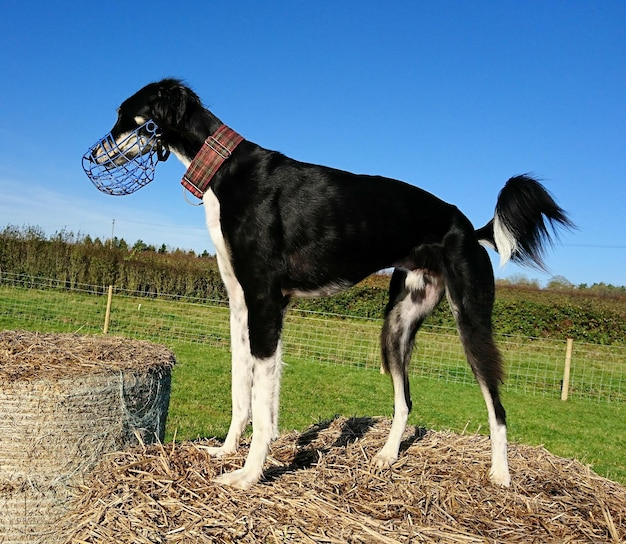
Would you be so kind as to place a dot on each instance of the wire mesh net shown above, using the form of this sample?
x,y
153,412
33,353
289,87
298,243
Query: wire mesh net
x,y
533,365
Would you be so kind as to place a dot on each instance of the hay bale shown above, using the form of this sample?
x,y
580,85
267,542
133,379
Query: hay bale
x,y
66,401
30,509
320,487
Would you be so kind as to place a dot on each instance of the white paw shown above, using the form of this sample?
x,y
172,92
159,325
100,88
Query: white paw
x,y
500,477
240,479
218,452
384,460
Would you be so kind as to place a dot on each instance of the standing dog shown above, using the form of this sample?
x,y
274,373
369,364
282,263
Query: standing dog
x,y
283,228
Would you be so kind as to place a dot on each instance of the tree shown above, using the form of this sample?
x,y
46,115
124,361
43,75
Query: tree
x,y
140,245
559,282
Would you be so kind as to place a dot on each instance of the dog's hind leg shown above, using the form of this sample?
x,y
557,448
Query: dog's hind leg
x,y
470,291
412,297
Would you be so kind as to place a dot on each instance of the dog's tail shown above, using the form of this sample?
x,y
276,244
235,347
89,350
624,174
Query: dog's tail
x,y
525,220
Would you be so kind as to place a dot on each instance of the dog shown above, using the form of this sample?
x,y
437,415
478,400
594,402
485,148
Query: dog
x,y
283,228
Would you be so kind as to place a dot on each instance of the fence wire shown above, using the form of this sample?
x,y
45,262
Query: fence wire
x,y
534,366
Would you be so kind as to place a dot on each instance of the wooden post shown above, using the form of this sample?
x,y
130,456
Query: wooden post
x,y
566,371
107,315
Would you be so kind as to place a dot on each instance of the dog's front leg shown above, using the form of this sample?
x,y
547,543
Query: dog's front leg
x,y
242,374
267,373
265,314
242,361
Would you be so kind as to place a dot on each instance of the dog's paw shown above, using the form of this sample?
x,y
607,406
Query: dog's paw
x,y
240,479
217,452
500,477
384,460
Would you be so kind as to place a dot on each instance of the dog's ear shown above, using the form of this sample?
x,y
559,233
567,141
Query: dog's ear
x,y
170,104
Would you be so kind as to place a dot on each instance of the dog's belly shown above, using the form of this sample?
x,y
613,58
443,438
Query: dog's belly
x,y
332,288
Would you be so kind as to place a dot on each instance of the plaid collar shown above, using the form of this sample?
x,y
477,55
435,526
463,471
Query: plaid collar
x,y
216,149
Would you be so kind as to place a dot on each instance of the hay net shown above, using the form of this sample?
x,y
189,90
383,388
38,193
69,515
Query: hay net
x,y
66,402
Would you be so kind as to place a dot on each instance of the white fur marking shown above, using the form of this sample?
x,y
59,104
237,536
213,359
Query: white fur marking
x,y
242,361
415,280
405,314
487,243
264,400
255,382
499,472
186,162
453,307
505,240
122,150
388,455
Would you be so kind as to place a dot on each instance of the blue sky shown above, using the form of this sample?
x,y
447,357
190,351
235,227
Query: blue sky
x,y
455,97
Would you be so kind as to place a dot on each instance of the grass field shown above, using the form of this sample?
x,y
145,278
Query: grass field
x,y
533,365
593,432
311,392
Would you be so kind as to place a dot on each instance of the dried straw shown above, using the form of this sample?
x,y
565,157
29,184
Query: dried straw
x,y
26,355
66,400
321,487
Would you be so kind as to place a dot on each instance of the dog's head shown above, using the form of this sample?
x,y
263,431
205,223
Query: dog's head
x,y
148,126
169,103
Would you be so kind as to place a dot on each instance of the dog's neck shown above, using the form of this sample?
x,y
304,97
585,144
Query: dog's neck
x,y
215,150
185,141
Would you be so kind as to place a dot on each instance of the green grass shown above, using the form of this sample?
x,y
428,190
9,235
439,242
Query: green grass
x,y
200,407
588,430
598,372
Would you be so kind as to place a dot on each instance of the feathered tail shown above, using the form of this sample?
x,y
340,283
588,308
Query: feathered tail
x,y
525,220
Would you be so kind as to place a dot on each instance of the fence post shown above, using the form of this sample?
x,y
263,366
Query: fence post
x,y
107,315
566,370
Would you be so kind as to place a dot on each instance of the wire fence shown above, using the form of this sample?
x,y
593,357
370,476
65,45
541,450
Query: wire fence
x,y
535,366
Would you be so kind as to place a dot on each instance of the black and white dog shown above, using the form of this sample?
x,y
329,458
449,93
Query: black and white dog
x,y
283,228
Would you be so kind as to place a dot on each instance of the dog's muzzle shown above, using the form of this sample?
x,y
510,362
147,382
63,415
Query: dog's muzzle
x,y
122,167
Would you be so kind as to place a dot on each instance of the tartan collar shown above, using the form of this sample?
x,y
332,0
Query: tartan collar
x,y
216,149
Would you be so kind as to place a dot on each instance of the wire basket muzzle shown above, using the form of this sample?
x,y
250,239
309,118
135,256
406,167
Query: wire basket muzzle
x,y
121,167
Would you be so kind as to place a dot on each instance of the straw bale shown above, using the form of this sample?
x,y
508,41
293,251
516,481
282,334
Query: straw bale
x,y
66,400
321,487
29,508
26,355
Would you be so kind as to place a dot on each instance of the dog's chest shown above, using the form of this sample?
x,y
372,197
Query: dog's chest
x,y
212,211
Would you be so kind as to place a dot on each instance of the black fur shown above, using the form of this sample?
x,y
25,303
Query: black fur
x,y
523,204
296,228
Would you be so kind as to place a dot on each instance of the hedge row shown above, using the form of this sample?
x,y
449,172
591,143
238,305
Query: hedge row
x,y
79,260
92,262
